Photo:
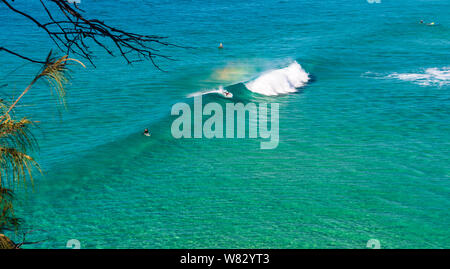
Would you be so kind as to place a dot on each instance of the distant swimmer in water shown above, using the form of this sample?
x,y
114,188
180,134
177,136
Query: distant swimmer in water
x,y
220,46
146,132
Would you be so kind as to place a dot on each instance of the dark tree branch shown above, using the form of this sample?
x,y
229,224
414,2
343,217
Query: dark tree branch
x,y
21,56
73,32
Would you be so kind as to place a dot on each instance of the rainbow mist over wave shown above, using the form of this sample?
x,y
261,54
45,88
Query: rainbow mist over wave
x,y
272,82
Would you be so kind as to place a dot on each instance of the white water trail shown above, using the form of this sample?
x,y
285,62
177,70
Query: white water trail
x,y
431,76
221,91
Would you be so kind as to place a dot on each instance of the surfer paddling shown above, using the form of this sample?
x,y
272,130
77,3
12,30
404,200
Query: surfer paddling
x,y
146,132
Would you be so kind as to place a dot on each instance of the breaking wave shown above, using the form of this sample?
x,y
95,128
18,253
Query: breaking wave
x,y
274,82
279,81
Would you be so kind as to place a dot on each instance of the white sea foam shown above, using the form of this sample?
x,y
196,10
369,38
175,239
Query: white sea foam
x,y
221,91
279,81
431,76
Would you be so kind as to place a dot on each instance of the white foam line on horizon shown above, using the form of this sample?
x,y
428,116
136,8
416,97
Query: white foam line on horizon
x,y
431,76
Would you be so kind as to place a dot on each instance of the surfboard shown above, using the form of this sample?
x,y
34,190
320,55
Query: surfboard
x,y
226,94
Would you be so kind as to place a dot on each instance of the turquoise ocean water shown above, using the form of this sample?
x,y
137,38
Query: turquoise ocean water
x,y
364,145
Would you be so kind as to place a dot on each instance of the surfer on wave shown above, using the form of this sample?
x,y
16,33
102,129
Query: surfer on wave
x,y
225,93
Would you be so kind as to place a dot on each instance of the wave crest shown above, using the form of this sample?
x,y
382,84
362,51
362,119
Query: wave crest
x,y
280,81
